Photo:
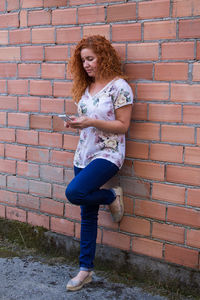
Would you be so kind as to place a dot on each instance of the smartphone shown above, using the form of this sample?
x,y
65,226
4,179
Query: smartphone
x,y
65,117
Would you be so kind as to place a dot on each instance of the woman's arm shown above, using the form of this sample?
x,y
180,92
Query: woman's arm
x,y
119,125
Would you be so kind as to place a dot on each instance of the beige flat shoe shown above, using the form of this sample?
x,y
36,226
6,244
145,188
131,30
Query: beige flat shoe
x,y
117,206
75,285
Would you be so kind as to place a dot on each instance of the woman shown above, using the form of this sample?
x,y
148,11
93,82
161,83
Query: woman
x,y
104,108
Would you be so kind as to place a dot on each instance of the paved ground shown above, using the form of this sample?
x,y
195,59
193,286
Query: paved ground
x,y
29,279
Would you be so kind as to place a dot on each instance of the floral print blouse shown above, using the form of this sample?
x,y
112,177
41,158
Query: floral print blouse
x,y
93,142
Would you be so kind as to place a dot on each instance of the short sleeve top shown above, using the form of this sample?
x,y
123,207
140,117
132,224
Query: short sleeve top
x,y
95,143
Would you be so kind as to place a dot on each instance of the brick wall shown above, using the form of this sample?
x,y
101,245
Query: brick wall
x,y
159,42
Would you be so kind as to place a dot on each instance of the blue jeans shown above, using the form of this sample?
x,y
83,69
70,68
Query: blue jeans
x,y
84,190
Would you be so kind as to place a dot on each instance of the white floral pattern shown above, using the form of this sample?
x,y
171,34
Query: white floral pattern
x,y
93,142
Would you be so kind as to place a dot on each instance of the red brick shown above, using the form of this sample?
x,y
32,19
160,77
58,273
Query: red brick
x,y
139,111
50,139
185,175
59,192
192,155
38,155
171,71
56,53
178,50
17,184
23,18
2,211
68,35
139,71
168,232
49,105
62,158
70,107
121,12
144,131
137,150
93,14
10,54
49,173
8,70
7,135
28,201
3,118
8,197
40,188
40,87
103,30
9,20
177,134
116,239
42,17
15,151
121,50
184,8
38,220
193,238
2,6
149,209
165,113
58,125
168,153
3,87
72,212
31,3
70,142
147,247
32,53
193,197
128,205
160,30
189,28
27,170
198,50
4,37
19,87
27,137
105,220
29,70
29,104
153,91
3,180
56,3
21,36
196,72
52,71
135,187
145,51
79,2
62,89
153,10
16,214
135,225
198,136
62,226
43,35
18,120
185,93
2,150
126,32
191,114
52,207
64,16
40,122
181,256
169,193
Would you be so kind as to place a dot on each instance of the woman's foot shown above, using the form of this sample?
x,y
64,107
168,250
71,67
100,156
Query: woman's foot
x,y
82,278
117,206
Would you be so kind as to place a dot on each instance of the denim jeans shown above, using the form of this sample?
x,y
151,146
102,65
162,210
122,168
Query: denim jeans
x,y
84,190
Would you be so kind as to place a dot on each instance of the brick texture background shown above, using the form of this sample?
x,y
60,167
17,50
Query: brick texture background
x,y
159,42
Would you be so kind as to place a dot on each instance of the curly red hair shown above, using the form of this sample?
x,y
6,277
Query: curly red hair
x,y
109,63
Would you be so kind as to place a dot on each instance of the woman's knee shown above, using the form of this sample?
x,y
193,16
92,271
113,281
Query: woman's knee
x,y
72,194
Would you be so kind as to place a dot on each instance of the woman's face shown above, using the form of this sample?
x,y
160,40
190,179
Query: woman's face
x,y
89,59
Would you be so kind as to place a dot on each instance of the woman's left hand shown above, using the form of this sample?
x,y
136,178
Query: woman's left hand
x,y
80,122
